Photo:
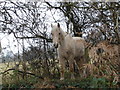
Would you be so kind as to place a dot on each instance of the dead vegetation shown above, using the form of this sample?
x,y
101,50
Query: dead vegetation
x,y
104,61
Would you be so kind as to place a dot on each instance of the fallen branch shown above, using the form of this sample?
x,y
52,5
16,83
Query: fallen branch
x,y
23,72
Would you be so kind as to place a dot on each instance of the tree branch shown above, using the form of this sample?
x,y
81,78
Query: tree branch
x,y
12,69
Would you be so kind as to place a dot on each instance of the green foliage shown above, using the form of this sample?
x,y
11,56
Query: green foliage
x,y
16,80
98,83
90,82
22,83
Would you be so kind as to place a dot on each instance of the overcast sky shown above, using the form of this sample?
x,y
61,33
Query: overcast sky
x,y
9,43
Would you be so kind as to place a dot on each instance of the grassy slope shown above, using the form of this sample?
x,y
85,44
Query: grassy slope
x,y
5,66
2,67
32,82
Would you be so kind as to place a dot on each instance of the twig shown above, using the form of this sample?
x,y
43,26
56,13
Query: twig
x,y
23,72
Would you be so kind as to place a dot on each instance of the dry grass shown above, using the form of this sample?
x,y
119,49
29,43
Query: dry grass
x,y
5,66
104,63
101,65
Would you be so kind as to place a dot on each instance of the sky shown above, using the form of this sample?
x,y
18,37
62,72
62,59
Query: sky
x,y
9,43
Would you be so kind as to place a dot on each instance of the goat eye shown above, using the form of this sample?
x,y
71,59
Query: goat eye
x,y
59,33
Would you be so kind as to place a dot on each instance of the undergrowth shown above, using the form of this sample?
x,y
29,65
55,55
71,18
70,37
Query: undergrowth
x,y
89,82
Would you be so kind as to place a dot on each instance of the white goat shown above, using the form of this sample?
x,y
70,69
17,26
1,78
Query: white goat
x,y
68,48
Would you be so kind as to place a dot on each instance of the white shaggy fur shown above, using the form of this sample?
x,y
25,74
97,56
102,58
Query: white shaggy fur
x,y
68,48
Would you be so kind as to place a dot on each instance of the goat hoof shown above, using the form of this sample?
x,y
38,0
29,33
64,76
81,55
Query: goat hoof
x,y
61,78
72,77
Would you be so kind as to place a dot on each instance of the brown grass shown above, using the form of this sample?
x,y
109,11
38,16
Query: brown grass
x,y
106,63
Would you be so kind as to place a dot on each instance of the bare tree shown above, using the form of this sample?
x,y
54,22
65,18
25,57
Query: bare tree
x,y
98,18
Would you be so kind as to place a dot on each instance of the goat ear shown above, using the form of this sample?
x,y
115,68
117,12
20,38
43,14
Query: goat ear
x,y
58,25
